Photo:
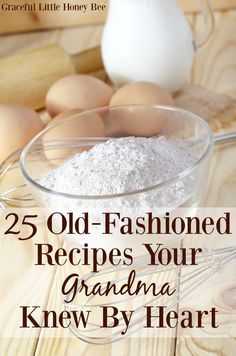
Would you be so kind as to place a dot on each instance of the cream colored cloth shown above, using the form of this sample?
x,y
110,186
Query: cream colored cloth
x,y
217,109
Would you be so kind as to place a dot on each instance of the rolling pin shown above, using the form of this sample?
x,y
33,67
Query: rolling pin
x,y
25,78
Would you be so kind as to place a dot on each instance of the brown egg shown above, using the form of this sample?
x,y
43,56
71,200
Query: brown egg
x,y
112,129
73,126
137,121
140,121
77,91
142,93
64,115
18,125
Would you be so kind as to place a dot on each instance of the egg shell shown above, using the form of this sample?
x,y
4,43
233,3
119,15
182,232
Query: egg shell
x,y
142,93
72,126
64,115
77,91
140,121
19,124
112,129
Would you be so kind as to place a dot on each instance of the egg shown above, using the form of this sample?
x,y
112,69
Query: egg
x,y
65,127
140,121
142,93
77,91
64,115
18,125
112,129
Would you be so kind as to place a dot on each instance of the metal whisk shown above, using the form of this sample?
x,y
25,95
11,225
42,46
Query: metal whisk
x,y
186,280
14,192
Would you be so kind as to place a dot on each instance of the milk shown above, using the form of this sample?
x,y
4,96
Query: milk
x,y
147,40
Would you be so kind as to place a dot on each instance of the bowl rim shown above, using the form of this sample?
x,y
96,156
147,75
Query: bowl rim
x,y
181,175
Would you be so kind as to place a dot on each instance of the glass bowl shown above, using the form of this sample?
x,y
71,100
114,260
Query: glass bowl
x,y
42,154
51,147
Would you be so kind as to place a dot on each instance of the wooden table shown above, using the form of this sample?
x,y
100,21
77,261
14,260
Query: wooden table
x,y
215,68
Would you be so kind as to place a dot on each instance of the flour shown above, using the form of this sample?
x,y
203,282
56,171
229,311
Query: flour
x,y
124,165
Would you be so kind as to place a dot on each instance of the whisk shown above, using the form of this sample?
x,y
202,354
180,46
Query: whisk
x,y
13,190
14,193
187,280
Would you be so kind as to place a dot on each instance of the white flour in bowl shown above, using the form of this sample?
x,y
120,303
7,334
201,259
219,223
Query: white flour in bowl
x,y
124,165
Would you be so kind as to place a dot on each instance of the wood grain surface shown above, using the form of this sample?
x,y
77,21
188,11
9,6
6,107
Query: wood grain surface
x,y
10,22
214,68
215,65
